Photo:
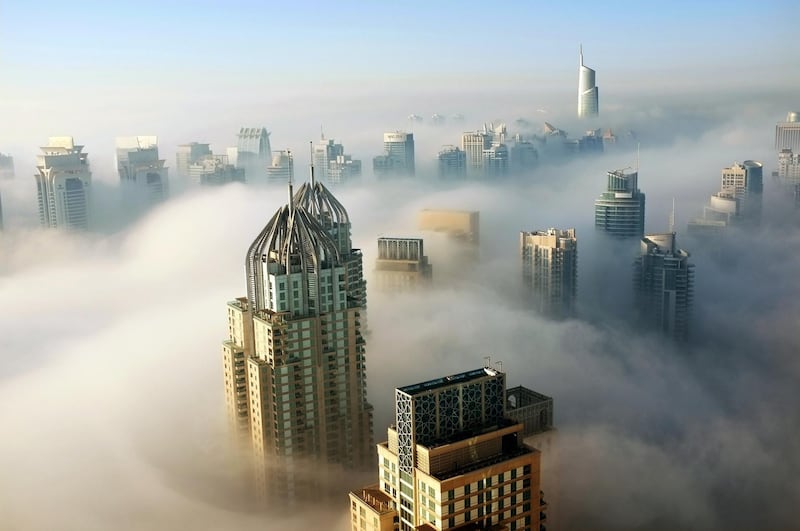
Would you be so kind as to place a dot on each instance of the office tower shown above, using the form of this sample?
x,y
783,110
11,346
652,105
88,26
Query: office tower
x,y
460,225
398,156
619,211
474,144
663,285
143,177
281,169
495,162
253,152
523,155
63,181
591,142
325,151
452,163
746,182
721,212
215,170
401,265
6,167
189,154
294,367
787,134
343,169
453,460
550,269
789,166
588,100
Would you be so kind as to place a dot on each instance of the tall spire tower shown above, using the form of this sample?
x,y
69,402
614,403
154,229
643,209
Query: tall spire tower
x,y
588,104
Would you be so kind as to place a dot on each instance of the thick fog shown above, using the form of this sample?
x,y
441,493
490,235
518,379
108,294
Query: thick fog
x,y
111,393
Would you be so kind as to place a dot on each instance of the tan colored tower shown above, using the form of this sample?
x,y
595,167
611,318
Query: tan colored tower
x,y
294,361
453,459
550,269
401,265
461,225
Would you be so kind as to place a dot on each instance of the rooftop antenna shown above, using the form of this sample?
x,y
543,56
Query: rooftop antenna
x,y
321,132
311,150
637,156
499,366
487,362
580,52
672,218
291,191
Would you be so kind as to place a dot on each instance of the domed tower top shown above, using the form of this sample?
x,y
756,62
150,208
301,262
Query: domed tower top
x,y
320,204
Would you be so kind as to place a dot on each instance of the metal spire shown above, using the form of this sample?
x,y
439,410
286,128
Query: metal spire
x,y
311,150
291,191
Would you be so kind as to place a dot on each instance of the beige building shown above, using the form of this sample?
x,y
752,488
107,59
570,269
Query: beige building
x,y
453,459
550,269
460,225
401,265
63,185
294,361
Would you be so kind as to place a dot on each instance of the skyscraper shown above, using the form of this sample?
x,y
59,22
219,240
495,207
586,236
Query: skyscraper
x,y
588,92
746,182
550,269
473,145
325,151
343,169
281,170
398,156
664,285
619,211
189,154
401,265
63,181
6,167
215,170
454,459
253,152
787,134
722,211
452,163
495,162
143,176
294,362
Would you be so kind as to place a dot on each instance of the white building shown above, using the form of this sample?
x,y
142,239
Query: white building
x,y
588,92
281,169
63,183
787,134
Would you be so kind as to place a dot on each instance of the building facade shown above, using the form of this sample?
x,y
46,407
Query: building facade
x,y
253,152
144,179
787,133
281,170
664,286
189,154
453,459
63,184
343,169
6,167
401,265
460,225
745,181
215,170
495,162
619,211
452,163
398,156
294,361
550,270
588,92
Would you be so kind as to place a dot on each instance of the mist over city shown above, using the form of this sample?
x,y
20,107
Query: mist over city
x,y
140,340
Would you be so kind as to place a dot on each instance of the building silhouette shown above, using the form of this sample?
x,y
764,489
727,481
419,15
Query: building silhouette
x,y
6,167
453,459
550,270
215,170
401,265
294,361
143,177
189,154
721,212
745,181
253,152
452,163
495,162
619,211
787,133
281,169
664,286
63,184
398,156
588,92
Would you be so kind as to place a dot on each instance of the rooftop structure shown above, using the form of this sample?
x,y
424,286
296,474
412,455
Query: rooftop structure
x,y
401,264
63,182
619,211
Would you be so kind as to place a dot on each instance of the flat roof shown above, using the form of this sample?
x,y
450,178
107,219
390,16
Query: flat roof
x,y
446,381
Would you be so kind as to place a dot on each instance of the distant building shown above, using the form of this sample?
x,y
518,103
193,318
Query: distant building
x,y
343,169
524,156
588,92
460,225
789,172
401,265
746,182
253,152
438,119
495,162
325,151
721,212
454,459
189,154
619,211
550,270
452,163
215,170
63,183
143,177
664,285
398,156
282,167
473,145
6,167
787,134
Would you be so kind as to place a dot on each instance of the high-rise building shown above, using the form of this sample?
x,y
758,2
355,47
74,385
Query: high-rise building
x,y
401,265
473,144
294,361
588,92
524,156
398,156
550,269
6,167
787,134
452,163
619,211
281,170
461,225
324,152
63,182
454,459
664,285
495,162
789,172
215,170
721,212
143,176
343,169
253,152
746,182
189,154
